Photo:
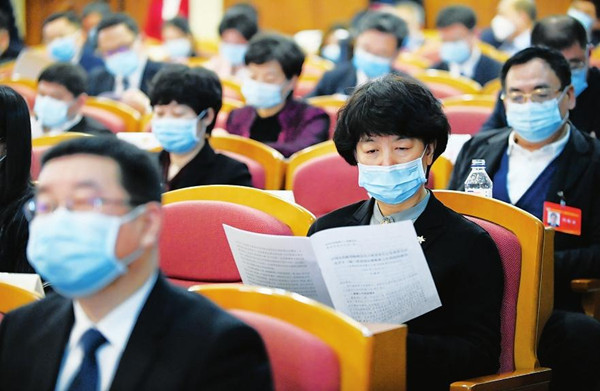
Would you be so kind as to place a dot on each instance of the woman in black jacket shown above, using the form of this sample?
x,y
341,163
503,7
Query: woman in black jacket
x,y
15,183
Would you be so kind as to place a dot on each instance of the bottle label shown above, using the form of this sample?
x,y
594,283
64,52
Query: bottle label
x,y
481,192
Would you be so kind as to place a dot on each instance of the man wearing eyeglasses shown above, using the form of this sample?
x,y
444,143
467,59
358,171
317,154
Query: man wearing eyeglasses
x,y
127,70
543,164
566,34
116,323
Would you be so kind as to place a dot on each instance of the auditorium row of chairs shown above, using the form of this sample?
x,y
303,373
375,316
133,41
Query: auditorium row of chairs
x,y
307,173
343,353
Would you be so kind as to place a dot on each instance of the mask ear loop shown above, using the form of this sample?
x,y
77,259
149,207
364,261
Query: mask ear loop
x,y
199,118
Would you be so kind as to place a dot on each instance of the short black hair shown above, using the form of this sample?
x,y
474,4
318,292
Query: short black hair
x,y
241,22
4,22
139,171
15,132
179,23
552,57
244,8
99,7
456,14
69,15
266,47
71,76
198,88
385,23
559,32
118,18
390,105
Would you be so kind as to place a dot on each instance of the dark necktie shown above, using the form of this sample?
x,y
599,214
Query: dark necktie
x,y
125,83
87,378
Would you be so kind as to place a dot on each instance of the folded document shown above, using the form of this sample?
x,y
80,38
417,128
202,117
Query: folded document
x,y
374,273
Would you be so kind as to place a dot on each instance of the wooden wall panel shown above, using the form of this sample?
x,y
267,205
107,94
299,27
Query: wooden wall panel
x,y
38,10
291,16
486,9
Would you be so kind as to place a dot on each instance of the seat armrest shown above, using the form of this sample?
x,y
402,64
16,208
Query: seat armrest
x,y
590,290
585,285
525,379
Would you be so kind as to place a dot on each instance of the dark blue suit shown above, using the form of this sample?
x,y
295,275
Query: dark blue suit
x,y
570,341
101,80
89,61
486,69
339,80
180,341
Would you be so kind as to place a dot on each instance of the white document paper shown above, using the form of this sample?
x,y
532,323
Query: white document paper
x,y
371,273
276,261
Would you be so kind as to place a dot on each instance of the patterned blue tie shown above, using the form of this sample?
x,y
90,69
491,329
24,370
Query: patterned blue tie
x,y
87,379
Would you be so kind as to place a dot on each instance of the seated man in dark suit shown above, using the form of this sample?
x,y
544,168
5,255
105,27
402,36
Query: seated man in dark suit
x,y
7,52
378,42
511,27
91,16
459,52
128,71
60,98
567,35
542,163
116,322
65,40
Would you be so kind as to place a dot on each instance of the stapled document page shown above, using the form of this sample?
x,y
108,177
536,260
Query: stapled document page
x,y
371,273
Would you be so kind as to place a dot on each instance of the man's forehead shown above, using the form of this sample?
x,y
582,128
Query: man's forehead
x,y
73,170
535,71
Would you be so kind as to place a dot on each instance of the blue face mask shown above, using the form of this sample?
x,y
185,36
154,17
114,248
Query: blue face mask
x,y
262,95
455,52
579,80
533,121
331,52
75,251
122,63
178,48
234,53
392,184
177,135
50,112
373,66
63,49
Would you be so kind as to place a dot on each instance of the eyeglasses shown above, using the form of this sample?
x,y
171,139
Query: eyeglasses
x,y
43,207
538,95
576,64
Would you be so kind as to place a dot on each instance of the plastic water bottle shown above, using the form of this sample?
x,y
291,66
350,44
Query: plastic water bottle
x,y
478,181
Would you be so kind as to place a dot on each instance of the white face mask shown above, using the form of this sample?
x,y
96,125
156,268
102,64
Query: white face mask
x,y
502,27
50,112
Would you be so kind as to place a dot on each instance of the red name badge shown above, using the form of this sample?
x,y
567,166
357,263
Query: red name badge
x,y
562,218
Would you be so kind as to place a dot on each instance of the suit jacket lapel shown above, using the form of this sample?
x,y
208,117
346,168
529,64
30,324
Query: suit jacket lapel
x,y
363,214
497,145
145,340
431,223
571,165
53,337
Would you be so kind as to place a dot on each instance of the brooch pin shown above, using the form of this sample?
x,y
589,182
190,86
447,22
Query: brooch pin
x,y
421,239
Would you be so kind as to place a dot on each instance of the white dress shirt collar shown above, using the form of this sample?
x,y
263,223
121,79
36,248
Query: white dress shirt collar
x,y
467,68
116,327
135,79
525,166
64,127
